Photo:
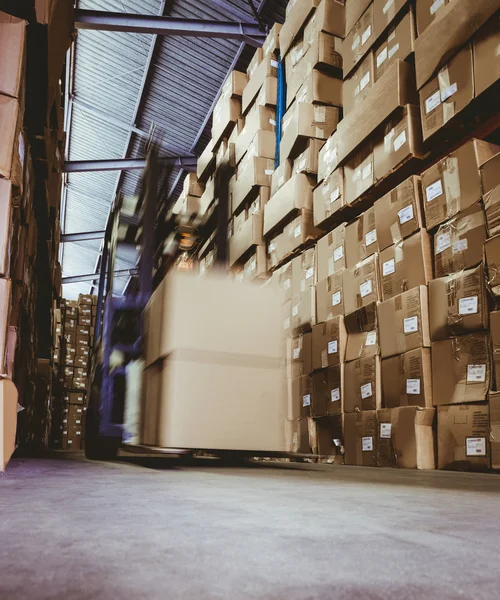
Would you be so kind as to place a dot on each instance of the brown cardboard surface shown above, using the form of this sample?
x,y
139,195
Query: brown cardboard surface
x,y
394,89
448,93
361,284
461,367
5,225
256,265
12,49
406,437
458,304
303,121
406,265
400,140
485,50
192,187
358,41
286,320
5,303
458,243
331,252
328,343
463,437
492,256
304,310
495,429
328,196
303,271
300,401
234,85
329,17
353,11
249,235
454,183
272,42
263,143
326,438
267,68
455,24
490,176
295,194
360,438
397,43
385,13
363,389
359,173
10,123
297,436
285,280
399,213
357,86
361,238
225,115
320,88
427,11
294,235
327,391
206,163
253,172
8,421
330,297
362,334
407,379
299,353
280,176
307,161
328,157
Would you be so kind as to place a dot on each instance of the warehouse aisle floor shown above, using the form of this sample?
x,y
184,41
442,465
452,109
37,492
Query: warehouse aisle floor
x,y
79,530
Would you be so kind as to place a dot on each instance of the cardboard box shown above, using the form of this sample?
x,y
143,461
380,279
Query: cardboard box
x,y
328,343
299,355
353,11
272,42
495,430
331,252
325,438
5,226
286,330
492,256
364,390
362,335
400,141
191,186
404,322
301,400
457,23
303,271
398,214
458,243
327,391
330,297
248,236
206,162
458,304
361,238
262,144
297,233
12,54
307,161
304,311
461,368
285,280
359,174
297,435
397,44
454,183
5,304
360,438
490,176
359,40
385,12
256,266
357,86
406,437
320,88
304,121
328,197
444,96
253,172
485,51
296,193
406,265
427,11
394,89
8,421
267,68
328,157
225,115
255,62
11,161
280,176
407,379
323,52
361,284
463,437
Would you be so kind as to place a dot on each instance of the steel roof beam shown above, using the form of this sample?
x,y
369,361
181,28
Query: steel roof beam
x,y
123,164
159,25
82,236
95,276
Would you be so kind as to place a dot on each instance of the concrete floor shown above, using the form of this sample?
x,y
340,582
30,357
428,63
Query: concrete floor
x,y
71,529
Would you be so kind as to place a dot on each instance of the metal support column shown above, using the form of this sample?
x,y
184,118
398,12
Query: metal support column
x,y
280,108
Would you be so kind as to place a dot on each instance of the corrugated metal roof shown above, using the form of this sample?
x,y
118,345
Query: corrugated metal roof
x,y
183,80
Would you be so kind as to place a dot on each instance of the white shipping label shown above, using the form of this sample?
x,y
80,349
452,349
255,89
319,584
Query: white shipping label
x,y
435,5
306,400
337,442
296,353
475,446
443,242
366,35
399,141
382,57
334,195
336,298
309,272
371,338
356,175
476,373
333,347
459,246
387,6
297,231
413,387
366,288
410,325
272,122
367,444
389,267
335,395
338,253
468,306
269,171
356,90
271,248
367,171
286,283
385,430
393,50
365,80
405,214
355,43
295,437
432,102
286,323
449,91
371,237
295,310
366,390
274,63
434,190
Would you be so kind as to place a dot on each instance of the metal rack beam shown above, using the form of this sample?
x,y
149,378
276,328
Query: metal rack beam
x,y
83,236
95,276
121,164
